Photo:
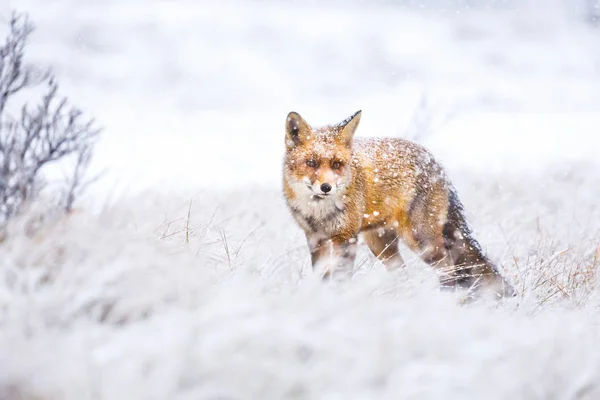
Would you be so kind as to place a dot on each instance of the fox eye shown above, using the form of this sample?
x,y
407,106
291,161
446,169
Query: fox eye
x,y
336,165
312,163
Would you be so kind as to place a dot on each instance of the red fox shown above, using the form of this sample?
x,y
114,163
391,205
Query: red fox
x,y
385,189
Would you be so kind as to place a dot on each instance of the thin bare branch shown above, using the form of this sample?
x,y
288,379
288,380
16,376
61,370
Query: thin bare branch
x,y
49,132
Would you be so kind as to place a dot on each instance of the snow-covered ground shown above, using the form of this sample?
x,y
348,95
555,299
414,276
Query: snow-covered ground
x,y
184,277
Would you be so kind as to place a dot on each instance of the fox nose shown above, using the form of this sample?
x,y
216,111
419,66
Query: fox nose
x,y
326,188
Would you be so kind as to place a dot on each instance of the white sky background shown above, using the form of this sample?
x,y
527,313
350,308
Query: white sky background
x,y
194,93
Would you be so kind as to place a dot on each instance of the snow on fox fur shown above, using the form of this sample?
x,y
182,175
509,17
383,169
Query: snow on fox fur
x,y
387,189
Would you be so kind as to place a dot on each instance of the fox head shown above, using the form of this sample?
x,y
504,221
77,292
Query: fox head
x,y
318,161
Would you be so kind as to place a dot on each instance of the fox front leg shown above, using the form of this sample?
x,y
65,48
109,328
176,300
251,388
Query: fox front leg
x,y
333,255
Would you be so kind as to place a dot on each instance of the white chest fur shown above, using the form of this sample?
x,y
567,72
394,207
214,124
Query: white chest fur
x,y
317,215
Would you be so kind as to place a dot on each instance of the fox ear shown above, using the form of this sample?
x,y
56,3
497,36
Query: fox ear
x,y
346,128
296,129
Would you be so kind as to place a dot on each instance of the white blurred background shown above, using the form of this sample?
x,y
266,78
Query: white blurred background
x,y
201,287
194,93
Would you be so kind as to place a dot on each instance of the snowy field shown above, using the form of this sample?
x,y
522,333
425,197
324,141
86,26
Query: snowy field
x,y
182,276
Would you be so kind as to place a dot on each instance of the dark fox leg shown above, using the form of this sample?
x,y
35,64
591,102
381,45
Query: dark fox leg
x,y
332,256
425,234
385,247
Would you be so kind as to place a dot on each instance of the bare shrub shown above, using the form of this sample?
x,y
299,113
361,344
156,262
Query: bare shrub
x,y
37,136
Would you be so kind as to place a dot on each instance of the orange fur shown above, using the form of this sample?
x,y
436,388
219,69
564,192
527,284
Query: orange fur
x,y
387,189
